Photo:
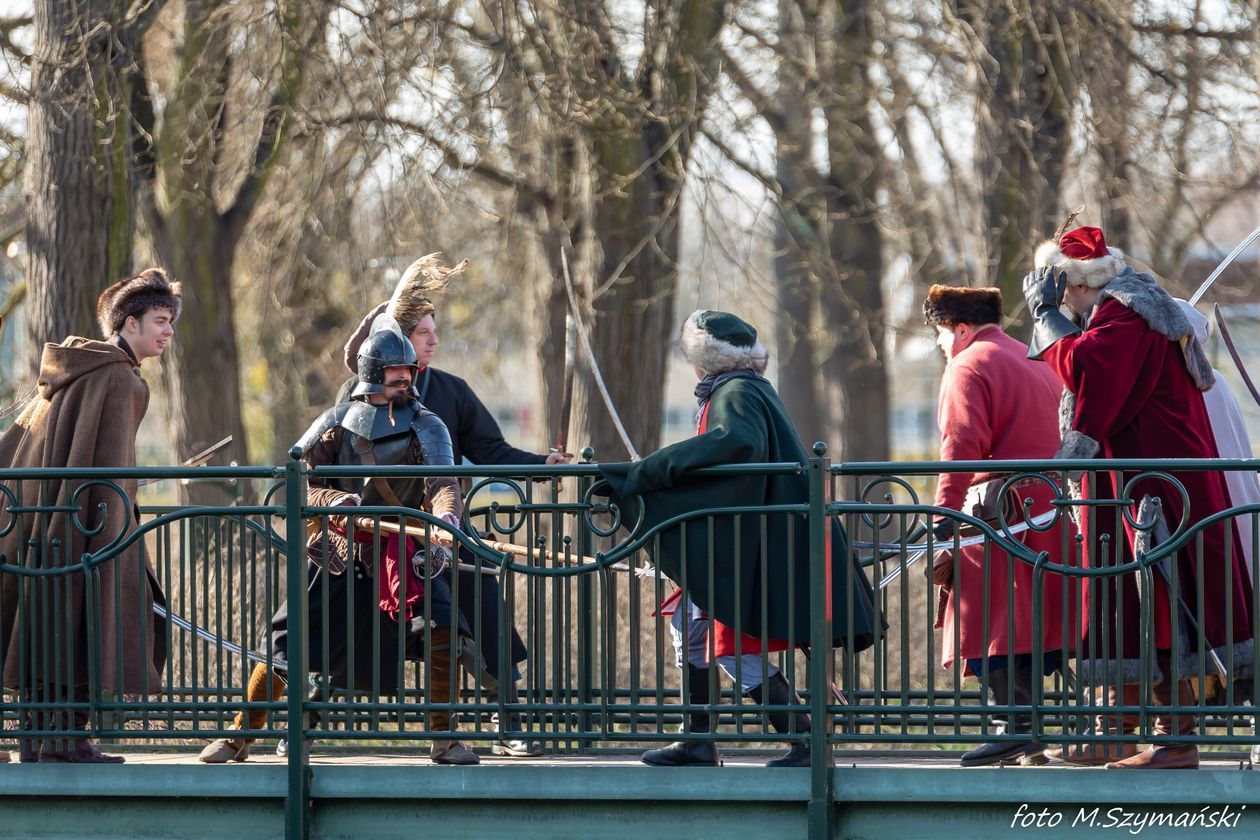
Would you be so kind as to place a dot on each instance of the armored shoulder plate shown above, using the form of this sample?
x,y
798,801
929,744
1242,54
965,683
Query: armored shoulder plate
x,y
434,437
330,419
378,422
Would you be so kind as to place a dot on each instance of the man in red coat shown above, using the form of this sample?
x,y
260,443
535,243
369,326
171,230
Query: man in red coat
x,y
994,404
1135,375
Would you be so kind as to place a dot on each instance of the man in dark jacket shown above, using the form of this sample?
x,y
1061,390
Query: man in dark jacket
x,y
745,572
475,436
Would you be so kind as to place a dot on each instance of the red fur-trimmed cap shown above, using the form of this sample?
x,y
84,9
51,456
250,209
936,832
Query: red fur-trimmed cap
x,y
1084,255
949,305
134,296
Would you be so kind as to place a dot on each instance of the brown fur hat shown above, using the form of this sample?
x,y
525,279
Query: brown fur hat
x,y
949,305
134,296
413,296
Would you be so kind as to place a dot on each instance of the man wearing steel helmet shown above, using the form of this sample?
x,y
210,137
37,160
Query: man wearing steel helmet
x,y
382,424
476,436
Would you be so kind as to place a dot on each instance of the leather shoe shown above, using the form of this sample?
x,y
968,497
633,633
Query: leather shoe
x,y
84,752
683,754
452,752
1000,752
224,750
1092,755
798,756
1181,757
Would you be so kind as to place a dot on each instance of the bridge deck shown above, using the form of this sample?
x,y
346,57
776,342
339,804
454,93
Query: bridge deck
x,y
385,795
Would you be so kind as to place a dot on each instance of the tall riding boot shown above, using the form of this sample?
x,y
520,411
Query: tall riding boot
x,y
1095,754
1171,756
779,693
443,685
1017,693
76,750
264,684
687,753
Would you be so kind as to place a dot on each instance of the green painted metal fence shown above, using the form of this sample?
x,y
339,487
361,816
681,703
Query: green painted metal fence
x,y
599,672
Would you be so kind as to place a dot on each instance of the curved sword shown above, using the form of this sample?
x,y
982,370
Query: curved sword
x,y
1233,255
590,359
920,549
1233,352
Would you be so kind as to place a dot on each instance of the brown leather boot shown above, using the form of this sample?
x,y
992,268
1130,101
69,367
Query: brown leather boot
x,y
76,750
443,676
1171,756
264,685
1096,754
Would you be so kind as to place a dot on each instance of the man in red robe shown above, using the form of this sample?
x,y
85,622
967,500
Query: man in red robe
x,y
1135,375
995,404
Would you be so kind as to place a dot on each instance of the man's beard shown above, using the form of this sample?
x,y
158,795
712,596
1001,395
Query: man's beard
x,y
400,400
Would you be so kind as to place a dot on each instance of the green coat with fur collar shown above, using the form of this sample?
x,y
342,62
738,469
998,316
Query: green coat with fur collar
x,y
751,570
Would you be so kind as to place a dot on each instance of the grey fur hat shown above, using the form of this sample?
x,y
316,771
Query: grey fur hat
x,y
717,342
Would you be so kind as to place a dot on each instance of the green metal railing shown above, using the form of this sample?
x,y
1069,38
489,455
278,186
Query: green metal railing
x,y
599,674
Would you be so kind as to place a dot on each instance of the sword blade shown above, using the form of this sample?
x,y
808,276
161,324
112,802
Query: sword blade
x,y
1233,255
195,461
590,360
896,573
566,392
206,454
1233,352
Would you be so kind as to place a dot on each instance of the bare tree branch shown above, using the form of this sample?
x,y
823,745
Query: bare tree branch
x,y
454,159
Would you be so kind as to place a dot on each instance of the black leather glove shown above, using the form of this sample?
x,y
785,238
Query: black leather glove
x,y
1043,290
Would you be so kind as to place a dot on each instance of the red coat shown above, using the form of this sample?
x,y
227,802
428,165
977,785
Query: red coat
x,y
1135,397
995,404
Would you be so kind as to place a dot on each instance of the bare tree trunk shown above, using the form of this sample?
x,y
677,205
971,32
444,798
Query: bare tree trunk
x,y
204,378
634,316
798,259
1110,75
853,308
1025,100
639,146
78,189
197,228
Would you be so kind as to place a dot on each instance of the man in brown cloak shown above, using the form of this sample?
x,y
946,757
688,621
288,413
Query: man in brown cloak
x,y
67,636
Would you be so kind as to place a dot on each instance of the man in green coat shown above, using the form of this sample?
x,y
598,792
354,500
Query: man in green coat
x,y
757,592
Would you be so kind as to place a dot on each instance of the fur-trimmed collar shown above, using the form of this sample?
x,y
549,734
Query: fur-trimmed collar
x,y
1140,292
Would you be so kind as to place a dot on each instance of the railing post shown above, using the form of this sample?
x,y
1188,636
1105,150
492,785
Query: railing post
x,y
586,634
297,805
821,667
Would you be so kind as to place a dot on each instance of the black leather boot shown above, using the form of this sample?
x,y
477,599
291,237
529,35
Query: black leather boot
x,y
781,694
999,752
690,753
